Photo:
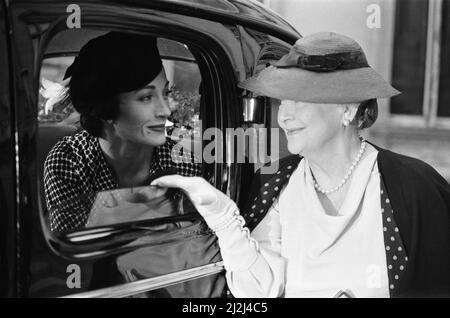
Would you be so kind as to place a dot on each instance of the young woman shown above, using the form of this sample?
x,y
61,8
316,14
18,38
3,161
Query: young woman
x,y
119,87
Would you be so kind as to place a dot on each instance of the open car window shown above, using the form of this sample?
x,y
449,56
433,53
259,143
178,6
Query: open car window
x,y
159,232
58,120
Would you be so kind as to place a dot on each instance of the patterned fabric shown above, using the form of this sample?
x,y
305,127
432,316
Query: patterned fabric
x,y
395,250
265,191
270,187
76,170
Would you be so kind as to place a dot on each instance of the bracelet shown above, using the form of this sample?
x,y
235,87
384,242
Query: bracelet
x,y
236,217
223,225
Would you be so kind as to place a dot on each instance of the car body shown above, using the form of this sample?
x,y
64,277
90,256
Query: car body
x,y
229,39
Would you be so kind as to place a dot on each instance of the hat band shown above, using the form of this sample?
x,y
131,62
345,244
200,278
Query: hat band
x,y
323,63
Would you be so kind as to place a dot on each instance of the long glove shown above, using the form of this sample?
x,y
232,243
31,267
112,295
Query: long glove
x,y
238,249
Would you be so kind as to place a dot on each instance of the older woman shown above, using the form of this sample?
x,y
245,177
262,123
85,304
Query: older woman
x,y
119,87
342,217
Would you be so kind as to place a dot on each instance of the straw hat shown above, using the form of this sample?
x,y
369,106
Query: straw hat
x,y
324,67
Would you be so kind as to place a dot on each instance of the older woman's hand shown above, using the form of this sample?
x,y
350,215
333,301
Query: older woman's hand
x,y
211,203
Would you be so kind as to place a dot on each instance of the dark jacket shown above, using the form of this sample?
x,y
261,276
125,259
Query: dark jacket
x,y
420,198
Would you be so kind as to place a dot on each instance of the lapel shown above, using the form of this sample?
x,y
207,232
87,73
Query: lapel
x,y
389,176
265,189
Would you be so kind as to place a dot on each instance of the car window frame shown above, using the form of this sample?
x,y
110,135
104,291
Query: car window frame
x,y
215,64
66,243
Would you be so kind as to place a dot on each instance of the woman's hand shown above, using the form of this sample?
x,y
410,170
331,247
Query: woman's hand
x,y
209,202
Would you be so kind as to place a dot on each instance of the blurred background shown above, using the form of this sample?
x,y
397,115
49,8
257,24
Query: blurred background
x,y
408,43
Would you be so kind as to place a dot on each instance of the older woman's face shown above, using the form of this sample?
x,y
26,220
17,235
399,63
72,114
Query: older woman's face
x,y
309,126
143,113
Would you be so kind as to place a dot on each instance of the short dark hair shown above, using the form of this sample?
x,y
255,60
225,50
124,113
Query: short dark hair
x,y
366,114
92,110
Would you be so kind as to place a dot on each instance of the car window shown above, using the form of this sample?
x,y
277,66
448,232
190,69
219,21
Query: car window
x,y
78,190
58,120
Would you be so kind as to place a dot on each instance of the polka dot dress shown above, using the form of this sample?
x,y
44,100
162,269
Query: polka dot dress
x,y
396,257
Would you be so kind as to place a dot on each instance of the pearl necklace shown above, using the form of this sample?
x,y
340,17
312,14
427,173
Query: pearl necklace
x,y
347,175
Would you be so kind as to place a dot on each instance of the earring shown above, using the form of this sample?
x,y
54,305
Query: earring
x,y
346,122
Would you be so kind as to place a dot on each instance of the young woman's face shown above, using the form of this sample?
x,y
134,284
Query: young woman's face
x,y
309,126
143,113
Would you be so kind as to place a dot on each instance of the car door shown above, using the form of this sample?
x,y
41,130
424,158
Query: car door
x,y
205,52
7,167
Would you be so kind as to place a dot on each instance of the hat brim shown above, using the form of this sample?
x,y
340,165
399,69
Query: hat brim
x,y
344,86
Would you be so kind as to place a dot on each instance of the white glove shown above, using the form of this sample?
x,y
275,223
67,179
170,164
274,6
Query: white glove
x,y
239,251
211,203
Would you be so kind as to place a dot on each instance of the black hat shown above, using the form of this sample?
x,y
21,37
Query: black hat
x,y
114,63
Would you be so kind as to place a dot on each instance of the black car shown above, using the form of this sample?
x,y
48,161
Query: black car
x,y
208,46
